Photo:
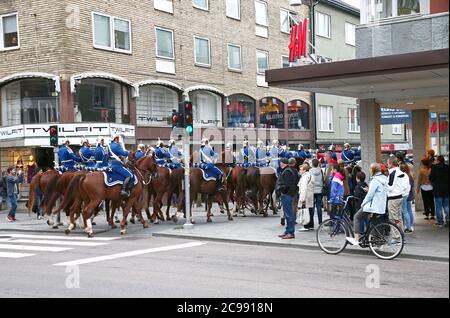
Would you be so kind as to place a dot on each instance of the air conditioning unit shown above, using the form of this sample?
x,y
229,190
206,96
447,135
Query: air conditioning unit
x,y
318,59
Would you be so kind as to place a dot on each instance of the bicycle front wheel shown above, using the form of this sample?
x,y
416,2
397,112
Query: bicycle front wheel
x,y
331,236
386,240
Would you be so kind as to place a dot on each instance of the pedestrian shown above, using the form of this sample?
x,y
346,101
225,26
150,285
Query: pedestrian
x,y
374,202
11,182
408,216
306,195
355,171
439,178
286,189
336,199
292,164
398,188
2,189
317,174
360,192
426,189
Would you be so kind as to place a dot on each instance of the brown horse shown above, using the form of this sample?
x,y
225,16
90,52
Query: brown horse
x,y
268,180
93,191
176,187
40,181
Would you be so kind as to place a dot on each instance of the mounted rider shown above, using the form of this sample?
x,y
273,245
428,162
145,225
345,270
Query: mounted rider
x,y
140,152
101,154
66,156
247,155
230,158
161,153
86,154
116,150
261,154
208,157
275,152
285,153
348,155
302,153
175,154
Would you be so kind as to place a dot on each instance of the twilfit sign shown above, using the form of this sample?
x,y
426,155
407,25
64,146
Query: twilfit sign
x,y
67,130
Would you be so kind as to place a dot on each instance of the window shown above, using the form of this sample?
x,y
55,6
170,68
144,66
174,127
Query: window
x,y
29,101
353,120
287,20
263,61
164,5
397,129
374,10
202,51
9,27
285,61
326,118
207,108
234,9
350,33
164,43
298,114
200,4
261,13
271,113
241,111
234,57
323,25
155,104
112,33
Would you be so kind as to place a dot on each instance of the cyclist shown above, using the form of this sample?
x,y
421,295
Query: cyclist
x,y
374,202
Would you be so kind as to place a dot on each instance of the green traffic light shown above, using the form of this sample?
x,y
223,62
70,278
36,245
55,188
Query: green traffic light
x,y
189,129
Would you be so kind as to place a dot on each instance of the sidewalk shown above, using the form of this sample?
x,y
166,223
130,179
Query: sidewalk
x,y
427,243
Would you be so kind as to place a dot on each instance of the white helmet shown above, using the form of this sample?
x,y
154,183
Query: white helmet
x,y
300,147
106,140
346,145
331,148
245,143
159,143
116,136
83,141
229,145
171,142
141,146
99,139
205,141
276,142
65,141
260,144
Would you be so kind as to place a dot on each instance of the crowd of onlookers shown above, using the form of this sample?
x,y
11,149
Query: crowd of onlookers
x,y
390,191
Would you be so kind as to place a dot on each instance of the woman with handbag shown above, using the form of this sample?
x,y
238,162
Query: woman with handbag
x,y
306,199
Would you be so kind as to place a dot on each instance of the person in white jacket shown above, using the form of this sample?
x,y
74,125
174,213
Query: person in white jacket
x,y
398,187
306,195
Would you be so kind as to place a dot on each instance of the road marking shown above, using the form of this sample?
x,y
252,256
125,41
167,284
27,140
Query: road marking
x,y
14,255
64,238
33,248
129,254
54,242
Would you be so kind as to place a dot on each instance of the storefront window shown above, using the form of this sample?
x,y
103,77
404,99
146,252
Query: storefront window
x,y
271,113
374,10
155,104
439,133
298,113
29,101
100,100
207,108
241,111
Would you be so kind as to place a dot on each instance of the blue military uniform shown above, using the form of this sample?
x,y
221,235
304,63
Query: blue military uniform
x,y
87,156
302,154
139,154
67,158
275,156
207,156
115,152
246,156
348,156
357,155
101,157
175,157
261,155
161,155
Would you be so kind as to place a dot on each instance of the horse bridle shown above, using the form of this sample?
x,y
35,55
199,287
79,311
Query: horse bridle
x,y
140,174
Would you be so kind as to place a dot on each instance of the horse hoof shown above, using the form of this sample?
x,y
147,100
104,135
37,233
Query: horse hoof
x,y
67,232
192,221
230,218
55,227
113,226
133,221
265,215
174,219
145,225
123,232
90,235
209,220
222,211
93,223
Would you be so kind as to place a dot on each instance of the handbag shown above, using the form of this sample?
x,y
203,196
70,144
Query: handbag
x,y
303,216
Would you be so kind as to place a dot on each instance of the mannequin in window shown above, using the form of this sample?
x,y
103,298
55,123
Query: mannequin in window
x,y
31,169
27,107
78,115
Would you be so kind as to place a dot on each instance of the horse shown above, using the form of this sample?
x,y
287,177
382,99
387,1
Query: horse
x,y
268,180
176,187
93,191
40,181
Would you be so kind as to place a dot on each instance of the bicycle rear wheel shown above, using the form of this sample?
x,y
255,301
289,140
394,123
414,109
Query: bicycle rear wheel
x,y
386,240
331,236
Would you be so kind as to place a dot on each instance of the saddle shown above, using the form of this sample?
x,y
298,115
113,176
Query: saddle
x,y
207,175
112,179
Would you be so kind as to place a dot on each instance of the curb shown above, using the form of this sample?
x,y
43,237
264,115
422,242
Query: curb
x,y
297,246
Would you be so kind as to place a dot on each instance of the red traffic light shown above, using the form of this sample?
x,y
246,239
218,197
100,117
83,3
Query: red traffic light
x,y
53,131
188,106
174,120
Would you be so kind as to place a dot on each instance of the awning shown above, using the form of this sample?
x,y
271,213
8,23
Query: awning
x,y
411,81
19,76
156,82
75,79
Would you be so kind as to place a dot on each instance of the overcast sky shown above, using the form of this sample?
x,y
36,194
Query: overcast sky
x,y
354,3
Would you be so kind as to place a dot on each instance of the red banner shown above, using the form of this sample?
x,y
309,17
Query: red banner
x,y
298,44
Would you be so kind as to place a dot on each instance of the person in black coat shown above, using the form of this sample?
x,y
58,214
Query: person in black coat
x,y
360,192
439,179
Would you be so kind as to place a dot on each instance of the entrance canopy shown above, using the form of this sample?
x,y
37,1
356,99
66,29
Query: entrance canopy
x,y
409,81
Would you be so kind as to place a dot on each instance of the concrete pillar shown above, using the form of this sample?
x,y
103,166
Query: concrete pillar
x,y
370,115
66,103
420,143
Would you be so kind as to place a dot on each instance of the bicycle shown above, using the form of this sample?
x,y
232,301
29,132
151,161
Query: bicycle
x,y
384,238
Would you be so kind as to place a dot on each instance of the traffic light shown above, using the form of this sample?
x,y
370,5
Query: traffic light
x,y
175,119
53,131
188,118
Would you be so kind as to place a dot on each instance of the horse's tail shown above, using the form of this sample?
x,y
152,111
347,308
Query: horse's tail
x,y
50,192
32,194
72,190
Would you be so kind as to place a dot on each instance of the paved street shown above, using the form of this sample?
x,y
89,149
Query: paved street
x,y
39,264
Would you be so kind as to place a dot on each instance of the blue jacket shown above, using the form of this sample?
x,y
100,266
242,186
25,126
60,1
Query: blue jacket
x,y
11,183
117,150
376,198
207,154
161,154
302,154
336,191
87,156
101,156
139,154
357,155
348,156
67,158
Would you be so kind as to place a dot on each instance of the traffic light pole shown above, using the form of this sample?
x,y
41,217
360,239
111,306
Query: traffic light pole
x,y
187,192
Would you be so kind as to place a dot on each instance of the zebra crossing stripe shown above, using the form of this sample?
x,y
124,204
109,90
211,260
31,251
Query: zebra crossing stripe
x,y
64,238
57,242
14,255
33,248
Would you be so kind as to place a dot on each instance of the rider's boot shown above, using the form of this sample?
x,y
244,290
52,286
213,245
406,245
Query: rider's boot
x,y
219,185
124,192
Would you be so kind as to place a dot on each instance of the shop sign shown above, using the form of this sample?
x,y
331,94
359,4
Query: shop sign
x,y
387,147
297,45
404,147
12,132
395,116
